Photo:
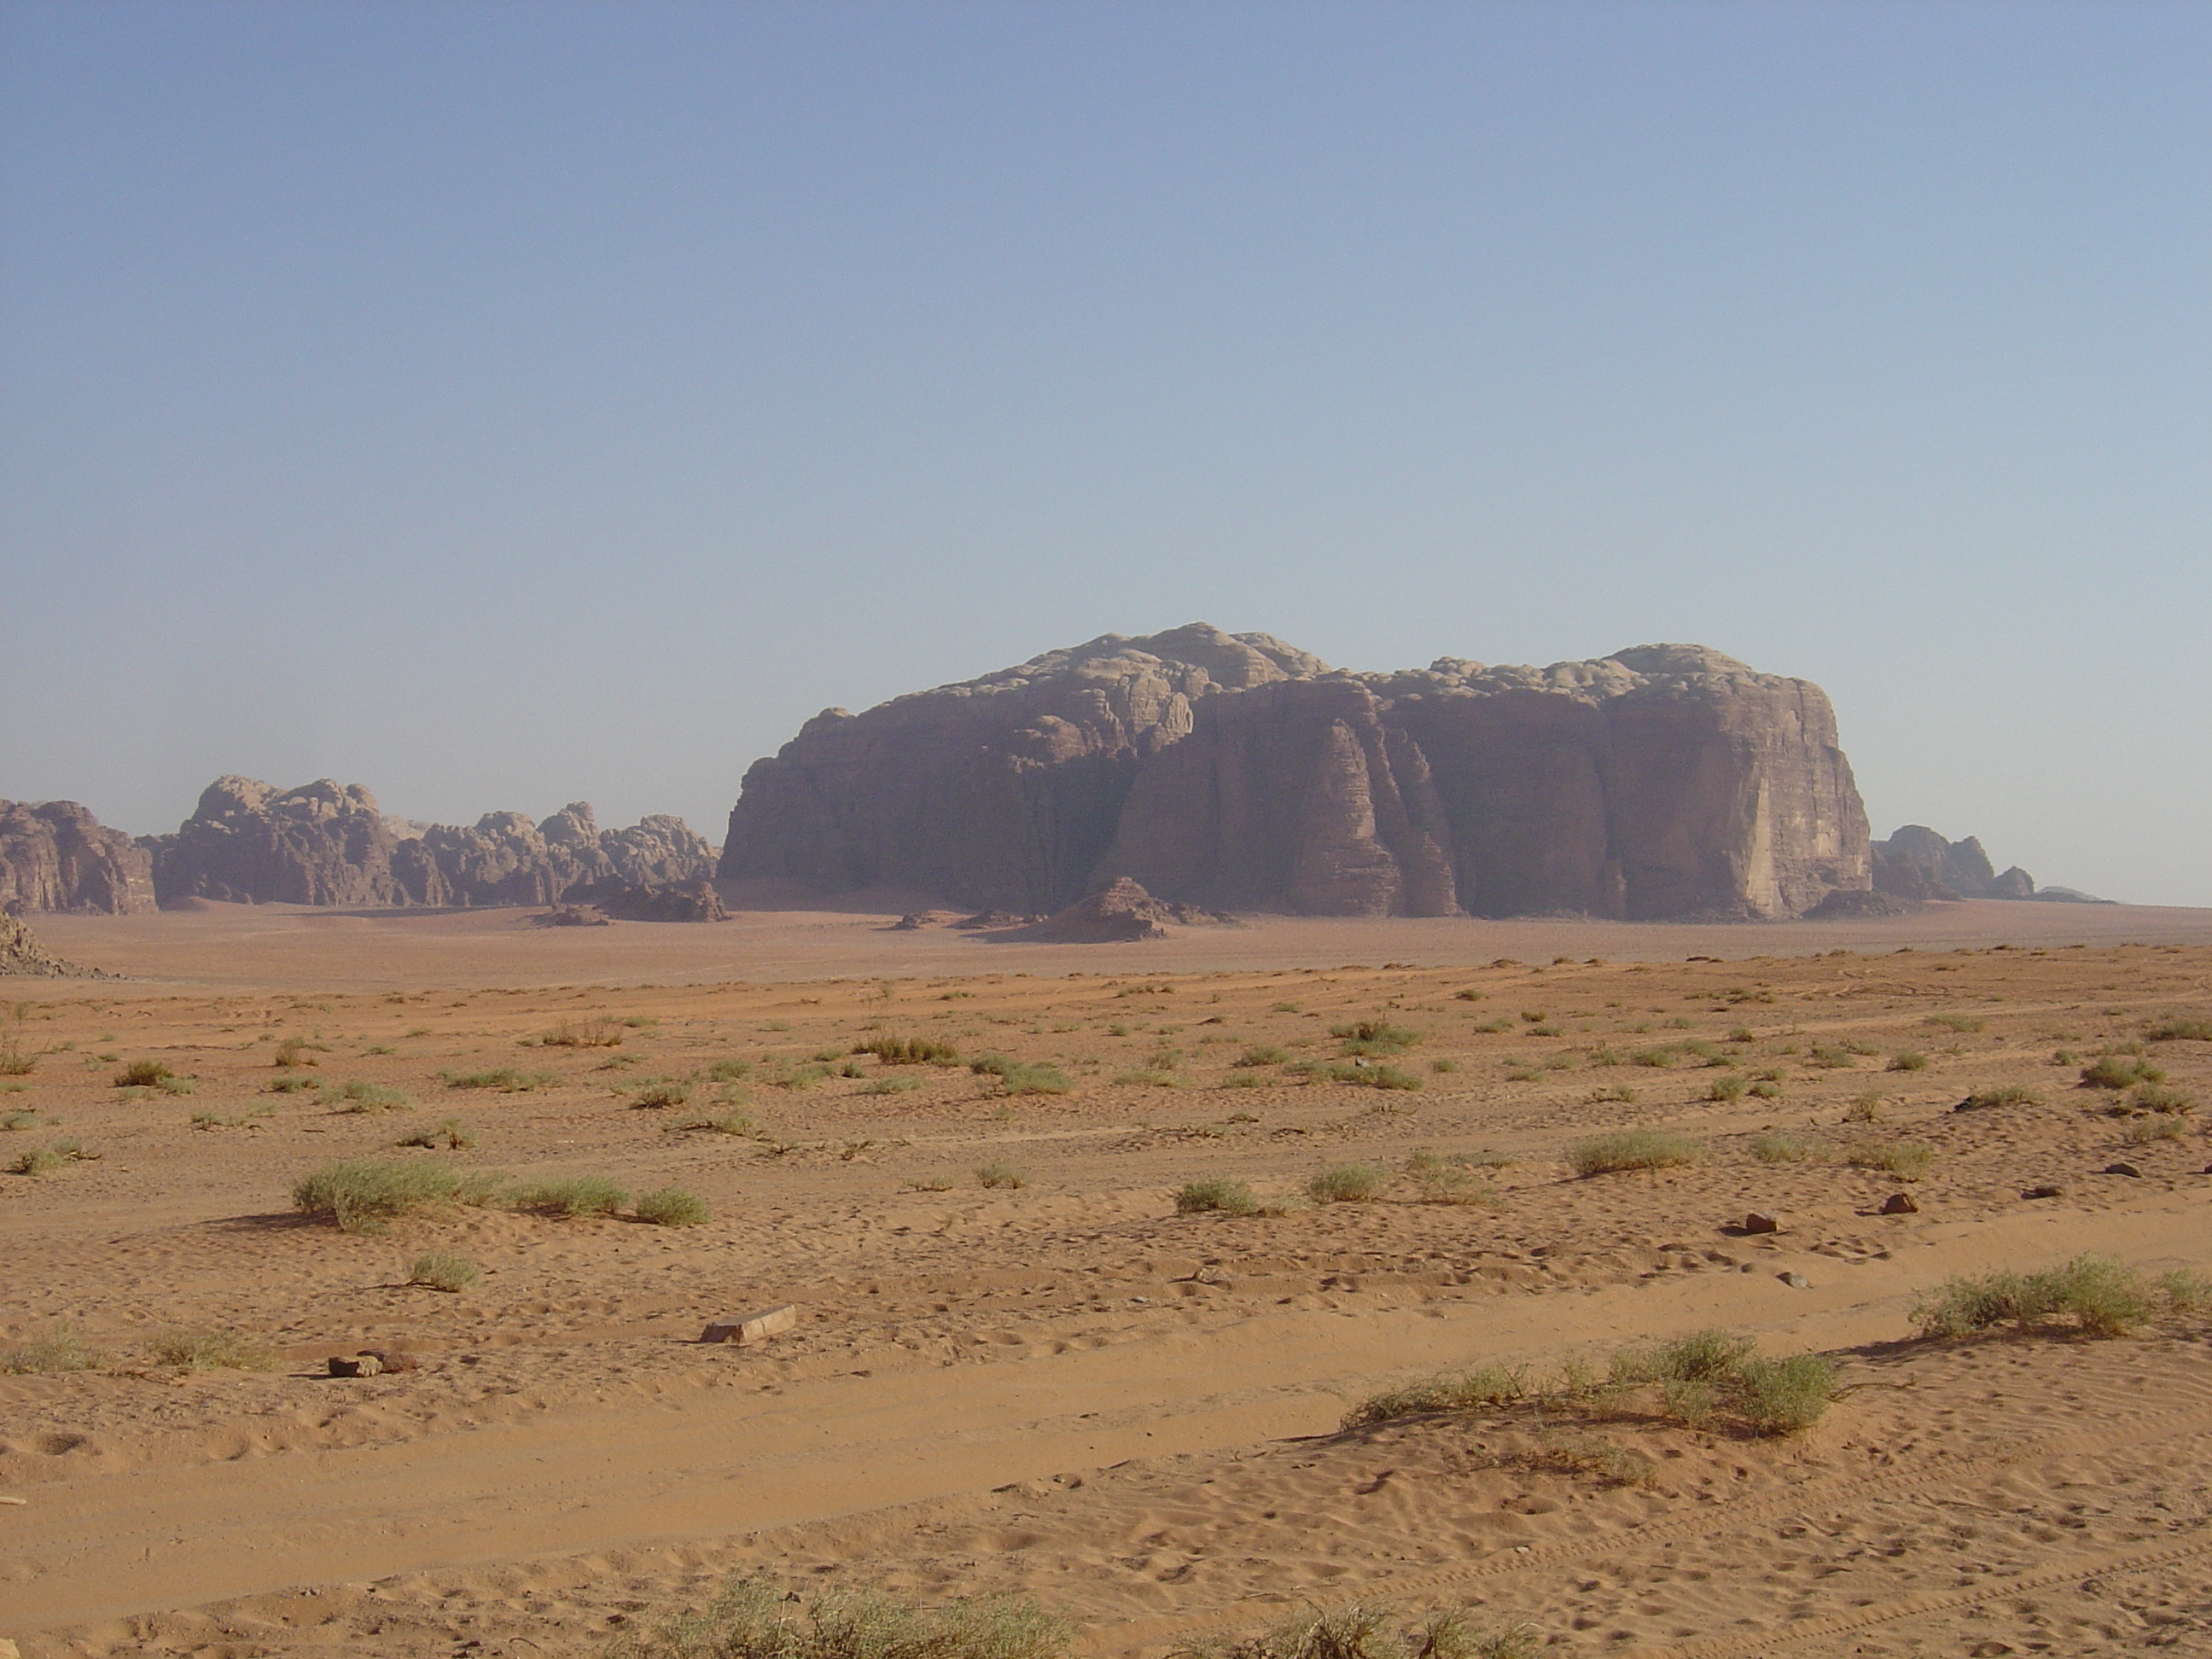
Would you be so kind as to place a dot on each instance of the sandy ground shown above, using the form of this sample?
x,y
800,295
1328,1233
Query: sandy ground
x,y
1064,1388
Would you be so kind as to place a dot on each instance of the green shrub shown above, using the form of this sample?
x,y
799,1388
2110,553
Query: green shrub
x,y
451,1134
292,1085
210,1350
1017,1077
296,1051
1908,1160
1455,1183
360,1096
752,1619
1345,1183
1785,1395
1960,1022
1375,1036
1216,1195
2119,1071
910,1051
506,1079
999,1174
655,1096
1713,1373
2099,1297
1908,1060
61,1349
40,1160
1262,1054
2009,1094
1488,1388
672,1206
441,1270
1785,1149
144,1074
1633,1149
730,1123
15,1060
1829,1057
892,1085
1371,1631
2158,1098
729,1071
1359,1075
360,1195
2176,1027
1724,1088
597,1032
571,1196
12,1121
1582,1454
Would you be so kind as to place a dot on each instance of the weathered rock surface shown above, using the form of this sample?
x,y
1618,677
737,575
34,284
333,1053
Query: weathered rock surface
x,y
23,956
1235,771
54,855
325,843
1122,910
696,901
1917,864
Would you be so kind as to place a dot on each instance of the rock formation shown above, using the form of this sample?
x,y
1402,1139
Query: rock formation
x,y
323,843
54,855
1916,863
694,901
1121,909
1235,770
23,956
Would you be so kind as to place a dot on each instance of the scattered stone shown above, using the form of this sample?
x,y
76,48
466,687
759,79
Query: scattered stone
x,y
1796,1282
1900,1204
361,1365
1756,1223
2121,1169
392,1359
752,1327
2043,1192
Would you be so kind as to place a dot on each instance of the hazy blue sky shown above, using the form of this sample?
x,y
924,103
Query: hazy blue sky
x,y
501,404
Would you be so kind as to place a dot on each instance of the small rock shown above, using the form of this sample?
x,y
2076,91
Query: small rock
x,y
364,1364
392,1359
1756,1223
1991,1649
2043,1192
752,1327
2121,1169
1797,1281
1900,1204
9,1649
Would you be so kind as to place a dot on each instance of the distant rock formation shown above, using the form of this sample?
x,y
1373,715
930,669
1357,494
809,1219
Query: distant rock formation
x,y
54,855
323,843
696,901
1122,910
1917,864
21,955
1238,772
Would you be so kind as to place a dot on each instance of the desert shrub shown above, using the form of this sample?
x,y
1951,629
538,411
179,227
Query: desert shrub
x,y
1783,1149
2144,1132
598,1032
1375,1036
1908,1160
729,1071
999,1174
1243,1080
1359,1075
15,1060
1655,1058
12,1121
892,1085
654,1095
1345,1183
2098,1296
1864,1108
1019,1077
2119,1071
441,1270
1713,1373
2175,1027
1148,1080
292,1085
1454,1183
360,1195
672,1206
570,1196
910,1051
1724,1088
359,1097
2159,1098
210,1351
2009,1094
1785,1395
1262,1054
1584,1454
144,1074
1633,1149
1829,1057
451,1134
752,1619
294,1051
38,1161
2184,1290
1369,1631
61,1349
505,1079
1216,1195
730,1123
1908,1060
1608,1094
1489,1387
1960,1022
1467,995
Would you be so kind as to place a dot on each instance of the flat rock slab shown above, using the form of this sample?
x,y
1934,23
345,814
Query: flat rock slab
x,y
753,1327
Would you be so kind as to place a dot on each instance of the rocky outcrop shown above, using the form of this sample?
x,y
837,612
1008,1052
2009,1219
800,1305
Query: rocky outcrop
x,y
325,843
1121,910
1916,863
696,901
1236,771
54,855
21,955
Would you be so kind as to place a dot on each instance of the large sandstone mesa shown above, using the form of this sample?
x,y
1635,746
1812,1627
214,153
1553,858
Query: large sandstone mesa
x,y
1234,770
54,855
323,843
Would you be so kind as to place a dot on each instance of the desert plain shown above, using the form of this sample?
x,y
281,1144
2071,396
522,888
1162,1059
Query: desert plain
x,y
1018,1366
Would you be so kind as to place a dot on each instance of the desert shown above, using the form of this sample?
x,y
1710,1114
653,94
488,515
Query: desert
x,y
1038,1352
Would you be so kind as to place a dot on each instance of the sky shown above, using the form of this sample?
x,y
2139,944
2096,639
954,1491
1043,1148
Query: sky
x,y
505,404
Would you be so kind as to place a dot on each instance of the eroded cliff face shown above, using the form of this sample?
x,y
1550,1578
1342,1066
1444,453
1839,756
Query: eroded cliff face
x,y
1664,780
54,855
325,843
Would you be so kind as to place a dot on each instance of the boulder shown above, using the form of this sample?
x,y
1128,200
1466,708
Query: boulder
x,y
54,855
1756,1223
1900,1204
752,1327
1235,771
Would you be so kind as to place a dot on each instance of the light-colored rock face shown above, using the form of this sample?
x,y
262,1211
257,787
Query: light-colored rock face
x,y
1665,779
54,855
323,843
